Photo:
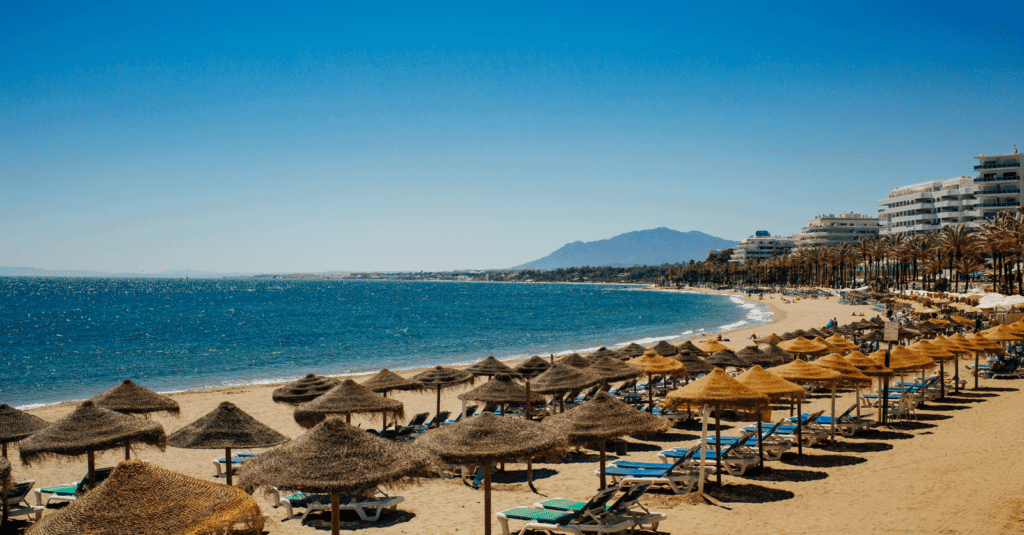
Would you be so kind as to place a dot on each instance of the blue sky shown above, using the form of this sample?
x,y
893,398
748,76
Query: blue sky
x,y
270,137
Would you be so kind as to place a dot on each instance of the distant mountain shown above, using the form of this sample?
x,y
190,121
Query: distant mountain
x,y
179,274
640,248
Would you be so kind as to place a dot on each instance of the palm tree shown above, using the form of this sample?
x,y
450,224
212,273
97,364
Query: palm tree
x,y
958,241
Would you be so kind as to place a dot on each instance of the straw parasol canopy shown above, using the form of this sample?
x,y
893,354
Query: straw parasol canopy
x,y
486,439
386,380
533,366
490,366
1001,333
778,352
337,458
754,356
867,365
711,346
347,398
838,343
727,358
303,390
130,398
771,339
604,418
633,350
575,360
665,349
15,425
929,349
89,429
501,389
960,319
694,365
610,369
655,364
802,346
440,378
562,378
719,391
225,427
691,347
837,363
776,388
902,359
603,352
139,497
800,372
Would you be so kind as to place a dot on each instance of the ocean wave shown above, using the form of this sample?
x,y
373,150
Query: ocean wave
x,y
732,325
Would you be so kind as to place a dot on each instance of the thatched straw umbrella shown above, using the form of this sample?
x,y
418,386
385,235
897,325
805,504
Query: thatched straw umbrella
x,y
486,439
490,366
347,398
337,458
385,381
610,369
575,360
755,357
901,360
726,358
605,418
838,343
850,374
800,372
139,497
694,364
665,349
719,391
603,352
533,366
655,364
776,388
562,378
938,354
692,348
15,425
868,367
771,339
225,427
803,346
501,390
711,346
89,429
439,378
777,352
303,390
130,398
633,350
973,343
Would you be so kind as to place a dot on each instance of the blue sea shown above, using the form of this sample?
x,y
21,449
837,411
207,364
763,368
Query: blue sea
x,y
68,338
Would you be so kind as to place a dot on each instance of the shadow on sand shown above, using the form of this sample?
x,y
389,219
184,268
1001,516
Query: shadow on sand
x,y
813,460
783,474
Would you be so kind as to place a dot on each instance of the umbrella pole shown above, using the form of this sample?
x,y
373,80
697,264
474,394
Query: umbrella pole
x,y
760,445
529,474
227,457
91,456
4,449
603,447
335,513
718,444
529,412
487,497
127,450
799,429
956,375
438,404
858,401
703,449
348,418
833,429
650,394
942,379
976,370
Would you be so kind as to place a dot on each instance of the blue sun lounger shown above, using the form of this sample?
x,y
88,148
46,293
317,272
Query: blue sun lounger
x,y
627,505
675,475
592,517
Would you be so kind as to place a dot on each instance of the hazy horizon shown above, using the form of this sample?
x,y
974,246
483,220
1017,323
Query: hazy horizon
x,y
278,138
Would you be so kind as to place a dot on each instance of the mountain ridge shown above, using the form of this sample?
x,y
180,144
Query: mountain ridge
x,y
650,247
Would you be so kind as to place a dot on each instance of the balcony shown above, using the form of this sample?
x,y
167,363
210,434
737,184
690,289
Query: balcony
x,y
996,179
1007,204
998,192
997,165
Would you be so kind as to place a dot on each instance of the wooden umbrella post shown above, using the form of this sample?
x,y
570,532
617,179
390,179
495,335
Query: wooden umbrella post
x,y
799,429
127,450
703,449
942,380
91,456
4,446
833,429
760,445
487,497
529,410
227,459
603,448
718,443
348,418
438,411
976,374
335,513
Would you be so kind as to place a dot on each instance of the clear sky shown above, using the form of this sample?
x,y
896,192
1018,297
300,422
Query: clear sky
x,y
275,137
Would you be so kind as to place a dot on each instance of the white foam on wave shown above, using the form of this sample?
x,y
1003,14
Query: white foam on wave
x,y
732,325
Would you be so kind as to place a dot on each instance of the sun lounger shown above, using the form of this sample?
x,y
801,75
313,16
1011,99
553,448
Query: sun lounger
x,y
220,465
846,423
735,457
592,517
811,432
627,505
437,420
469,410
676,476
69,492
772,444
17,501
368,508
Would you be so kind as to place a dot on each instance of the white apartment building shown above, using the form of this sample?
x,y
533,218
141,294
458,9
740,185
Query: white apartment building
x,y
932,205
829,230
761,245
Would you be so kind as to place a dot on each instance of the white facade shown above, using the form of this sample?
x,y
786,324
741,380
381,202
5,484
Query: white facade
x,y
761,245
829,230
932,205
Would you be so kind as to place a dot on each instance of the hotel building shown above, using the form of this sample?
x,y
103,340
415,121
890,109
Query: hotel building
x,y
928,206
829,230
761,245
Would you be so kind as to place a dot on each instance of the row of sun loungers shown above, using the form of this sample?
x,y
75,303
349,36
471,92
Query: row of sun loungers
x,y
598,515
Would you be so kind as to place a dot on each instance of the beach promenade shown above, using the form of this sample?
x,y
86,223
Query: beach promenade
x,y
953,471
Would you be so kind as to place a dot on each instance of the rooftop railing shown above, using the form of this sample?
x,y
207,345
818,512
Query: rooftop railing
x,y
997,165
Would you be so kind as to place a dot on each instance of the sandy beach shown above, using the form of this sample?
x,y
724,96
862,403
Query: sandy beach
x,y
950,472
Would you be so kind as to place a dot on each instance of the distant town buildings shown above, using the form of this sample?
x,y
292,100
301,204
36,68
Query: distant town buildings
x,y
928,206
761,245
829,230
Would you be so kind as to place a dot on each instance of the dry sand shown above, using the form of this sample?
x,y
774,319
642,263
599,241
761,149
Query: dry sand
x,y
952,471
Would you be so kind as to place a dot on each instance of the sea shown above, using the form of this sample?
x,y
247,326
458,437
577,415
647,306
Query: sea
x,y
72,338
